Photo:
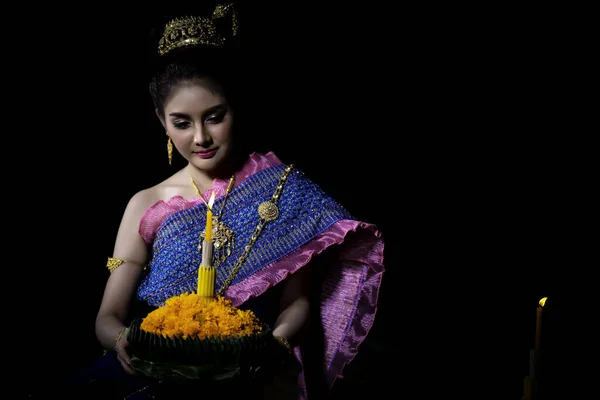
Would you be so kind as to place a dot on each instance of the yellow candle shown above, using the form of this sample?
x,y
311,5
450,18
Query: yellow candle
x,y
206,272
209,215
201,280
206,281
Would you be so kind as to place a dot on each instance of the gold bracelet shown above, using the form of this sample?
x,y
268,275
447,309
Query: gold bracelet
x,y
119,335
284,343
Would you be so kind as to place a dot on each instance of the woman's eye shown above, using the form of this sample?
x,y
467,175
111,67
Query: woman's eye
x,y
215,119
181,125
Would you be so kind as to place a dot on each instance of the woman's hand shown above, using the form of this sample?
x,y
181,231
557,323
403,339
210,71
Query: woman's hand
x,y
122,355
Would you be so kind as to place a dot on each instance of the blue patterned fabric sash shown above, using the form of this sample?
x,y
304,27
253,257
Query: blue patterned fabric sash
x,y
305,211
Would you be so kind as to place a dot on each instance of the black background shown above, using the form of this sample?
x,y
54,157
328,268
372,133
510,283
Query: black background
x,y
461,135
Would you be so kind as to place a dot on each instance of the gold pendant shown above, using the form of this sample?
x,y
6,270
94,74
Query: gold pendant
x,y
223,241
268,211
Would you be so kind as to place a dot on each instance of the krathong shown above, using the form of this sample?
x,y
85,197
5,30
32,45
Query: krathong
x,y
192,339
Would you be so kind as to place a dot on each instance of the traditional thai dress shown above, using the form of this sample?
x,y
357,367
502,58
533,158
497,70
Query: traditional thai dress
x,y
272,223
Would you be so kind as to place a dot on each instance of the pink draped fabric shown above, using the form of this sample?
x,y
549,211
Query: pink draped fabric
x,y
350,290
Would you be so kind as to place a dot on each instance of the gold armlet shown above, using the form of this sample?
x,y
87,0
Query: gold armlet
x,y
114,263
284,343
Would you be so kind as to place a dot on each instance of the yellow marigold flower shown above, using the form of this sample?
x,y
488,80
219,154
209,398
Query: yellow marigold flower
x,y
188,315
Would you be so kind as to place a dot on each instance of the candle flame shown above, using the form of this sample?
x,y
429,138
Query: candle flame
x,y
212,200
543,301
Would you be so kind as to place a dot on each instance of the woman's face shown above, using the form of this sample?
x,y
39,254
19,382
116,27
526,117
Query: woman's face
x,y
199,122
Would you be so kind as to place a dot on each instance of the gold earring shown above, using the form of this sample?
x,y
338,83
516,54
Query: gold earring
x,y
170,150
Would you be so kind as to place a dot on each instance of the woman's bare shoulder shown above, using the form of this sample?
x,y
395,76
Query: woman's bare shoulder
x,y
175,185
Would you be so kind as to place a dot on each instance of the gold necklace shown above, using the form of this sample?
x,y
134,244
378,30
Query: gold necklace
x,y
223,237
267,211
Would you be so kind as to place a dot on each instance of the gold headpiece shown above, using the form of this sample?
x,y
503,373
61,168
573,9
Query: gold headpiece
x,y
197,31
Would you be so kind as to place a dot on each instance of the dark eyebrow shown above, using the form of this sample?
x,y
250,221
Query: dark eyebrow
x,y
208,111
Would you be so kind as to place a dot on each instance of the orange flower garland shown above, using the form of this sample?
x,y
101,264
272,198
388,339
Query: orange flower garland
x,y
189,315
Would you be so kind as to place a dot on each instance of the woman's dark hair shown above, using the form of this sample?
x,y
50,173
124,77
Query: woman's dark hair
x,y
223,66
216,65
198,43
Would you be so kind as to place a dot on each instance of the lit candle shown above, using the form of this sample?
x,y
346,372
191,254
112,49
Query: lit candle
x,y
206,271
530,383
209,215
538,323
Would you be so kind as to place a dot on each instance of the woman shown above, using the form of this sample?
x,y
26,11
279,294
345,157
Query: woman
x,y
289,252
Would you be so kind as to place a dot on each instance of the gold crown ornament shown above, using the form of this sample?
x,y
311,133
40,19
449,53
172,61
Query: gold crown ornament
x,y
193,31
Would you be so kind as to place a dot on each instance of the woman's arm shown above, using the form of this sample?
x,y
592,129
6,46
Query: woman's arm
x,y
295,307
122,282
